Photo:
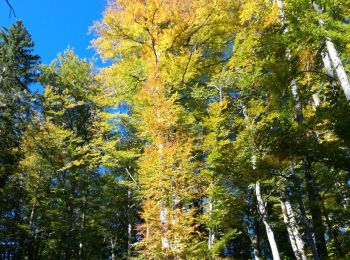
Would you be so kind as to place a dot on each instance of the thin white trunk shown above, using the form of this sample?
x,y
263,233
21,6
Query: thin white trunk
x,y
282,14
82,226
293,231
339,68
263,213
129,223
163,210
254,240
334,57
289,229
255,248
211,235
294,225
316,99
174,204
164,221
31,218
113,249
298,108
343,187
327,64
295,89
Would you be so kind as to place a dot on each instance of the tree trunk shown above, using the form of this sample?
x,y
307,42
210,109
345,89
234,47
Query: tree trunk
x,y
211,235
113,249
315,211
295,90
343,188
31,249
334,57
339,68
328,67
255,246
306,222
253,232
263,213
82,227
164,221
292,238
332,233
129,224
292,228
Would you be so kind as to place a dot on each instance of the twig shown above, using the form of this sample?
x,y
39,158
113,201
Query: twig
x,y
12,10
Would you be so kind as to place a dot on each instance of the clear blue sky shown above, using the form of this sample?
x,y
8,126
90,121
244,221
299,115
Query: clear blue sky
x,y
56,24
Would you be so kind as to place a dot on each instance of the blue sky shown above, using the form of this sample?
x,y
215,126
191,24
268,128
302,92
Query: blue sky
x,y
56,24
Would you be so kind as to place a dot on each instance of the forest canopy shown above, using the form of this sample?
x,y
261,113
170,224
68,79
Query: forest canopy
x,y
216,129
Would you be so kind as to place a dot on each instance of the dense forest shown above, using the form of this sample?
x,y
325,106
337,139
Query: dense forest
x,y
217,129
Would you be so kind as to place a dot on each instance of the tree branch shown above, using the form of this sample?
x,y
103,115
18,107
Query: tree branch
x,y
12,10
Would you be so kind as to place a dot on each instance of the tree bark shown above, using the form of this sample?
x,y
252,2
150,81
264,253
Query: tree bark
x,y
292,228
113,249
211,235
164,221
334,57
332,233
32,246
315,211
292,238
263,213
306,222
129,224
253,232
295,90
327,63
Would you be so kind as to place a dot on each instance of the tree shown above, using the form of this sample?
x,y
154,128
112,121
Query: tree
x,y
18,68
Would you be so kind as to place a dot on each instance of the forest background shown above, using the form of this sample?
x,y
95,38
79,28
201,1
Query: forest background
x,y
202,129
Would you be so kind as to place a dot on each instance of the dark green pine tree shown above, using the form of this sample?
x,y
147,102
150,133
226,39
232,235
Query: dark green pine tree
x,y
18,68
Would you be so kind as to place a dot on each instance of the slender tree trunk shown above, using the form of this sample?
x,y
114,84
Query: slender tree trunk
x,y
339,68
253,232
263,213
164,222
343,189
31,249
112,241
291,235
315,211
211,235
129,224
163,213
306,222
254,240
332,234
334,57
292,228
255,245
163,210
327,63
295,89
82,227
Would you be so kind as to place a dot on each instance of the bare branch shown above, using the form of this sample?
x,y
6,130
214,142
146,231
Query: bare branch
x,y
12,10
